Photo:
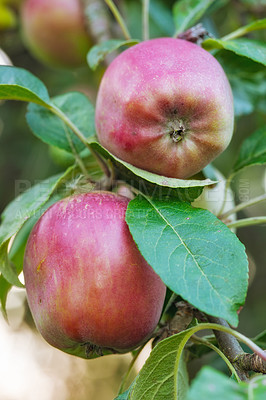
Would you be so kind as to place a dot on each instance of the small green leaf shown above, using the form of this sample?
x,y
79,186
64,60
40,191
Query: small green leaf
x,y
52,130
100,51
15,256
19,84
193,252
164,375
153,184
252,151
188,12
126,394
4,289
7,269
253,49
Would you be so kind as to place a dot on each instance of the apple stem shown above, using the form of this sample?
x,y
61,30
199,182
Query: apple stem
x,y
145,19
241,206
76,155
197,339
240,223
119,18
242,31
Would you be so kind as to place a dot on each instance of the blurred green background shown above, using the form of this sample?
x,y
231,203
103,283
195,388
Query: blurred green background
x,y
24,159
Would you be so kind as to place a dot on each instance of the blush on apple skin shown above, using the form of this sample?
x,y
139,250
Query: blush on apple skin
x,y
165,105
55,32
85,278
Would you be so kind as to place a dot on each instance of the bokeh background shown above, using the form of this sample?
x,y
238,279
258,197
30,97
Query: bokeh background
x,y
30,368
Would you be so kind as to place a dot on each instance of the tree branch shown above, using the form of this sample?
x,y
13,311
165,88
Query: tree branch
x,y
251,362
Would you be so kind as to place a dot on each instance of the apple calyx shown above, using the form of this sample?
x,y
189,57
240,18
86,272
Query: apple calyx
x,y
178,133
91,348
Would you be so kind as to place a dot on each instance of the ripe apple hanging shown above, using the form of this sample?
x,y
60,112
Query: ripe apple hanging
x,y
87,283
165,105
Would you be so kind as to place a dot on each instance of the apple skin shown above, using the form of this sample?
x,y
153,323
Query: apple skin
x,y
86,281
54,31
165,105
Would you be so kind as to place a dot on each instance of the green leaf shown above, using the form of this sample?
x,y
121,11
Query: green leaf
x,y
256,388
15,257
164,375
248,83
210,382
153,184
249,93
98,52
161,376
126,394
24,206
52,130
193,252
7,269
4,289
252,151
29,203
188,12
19,84
253,49
213,384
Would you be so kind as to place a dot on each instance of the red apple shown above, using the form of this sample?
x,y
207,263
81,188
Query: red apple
x,y
165,105
54,30
86,281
